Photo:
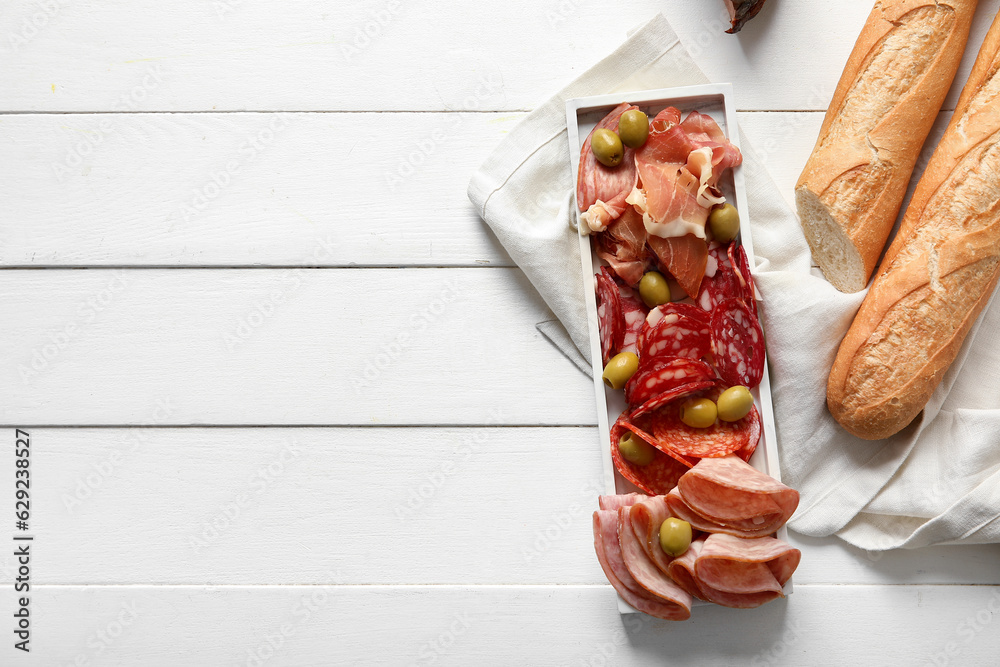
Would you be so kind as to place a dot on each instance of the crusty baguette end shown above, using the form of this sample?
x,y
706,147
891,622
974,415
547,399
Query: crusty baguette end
x,y
831,248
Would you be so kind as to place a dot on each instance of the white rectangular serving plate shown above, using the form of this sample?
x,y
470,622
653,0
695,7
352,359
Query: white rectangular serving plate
x,y
582,114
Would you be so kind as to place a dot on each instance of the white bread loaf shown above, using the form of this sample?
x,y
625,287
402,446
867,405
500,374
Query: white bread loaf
x,y
937,275
899,72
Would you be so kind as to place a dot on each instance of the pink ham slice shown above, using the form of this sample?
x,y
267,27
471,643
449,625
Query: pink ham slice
x,y
644,570
744,573
600,190
609,554
728,495
646,517
620,500
681,569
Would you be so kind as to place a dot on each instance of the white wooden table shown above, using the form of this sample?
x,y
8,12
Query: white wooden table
x,y
286,399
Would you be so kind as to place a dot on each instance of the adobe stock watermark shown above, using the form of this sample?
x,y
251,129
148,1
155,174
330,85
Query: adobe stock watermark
x,y
93,139
43,12
270,643
264,478
417,323
225,7
777,653
371,30
562,12
109,631
420,151
94,480
561,521
439,645
967,630
433,481
219,180
42,357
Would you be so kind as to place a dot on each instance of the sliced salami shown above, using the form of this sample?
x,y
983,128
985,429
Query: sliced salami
x,y
721,282
610,318
656,478
658,375
716,441
741,267
642,431
738,344
668,397
676,334
633,317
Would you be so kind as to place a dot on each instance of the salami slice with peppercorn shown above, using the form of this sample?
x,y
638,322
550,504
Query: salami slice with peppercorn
x,y
738,344
610,318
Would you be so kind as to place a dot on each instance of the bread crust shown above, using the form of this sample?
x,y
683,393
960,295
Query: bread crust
x,y
937,275
882,110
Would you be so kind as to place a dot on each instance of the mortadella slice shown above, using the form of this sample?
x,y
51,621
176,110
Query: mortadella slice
x,y
610,557
744,573
728,495
644,570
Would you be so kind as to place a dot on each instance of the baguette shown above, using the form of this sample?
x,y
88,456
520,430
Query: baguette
x,y
936,277
892,87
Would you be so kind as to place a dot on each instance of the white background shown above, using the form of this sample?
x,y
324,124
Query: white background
x,y
286,398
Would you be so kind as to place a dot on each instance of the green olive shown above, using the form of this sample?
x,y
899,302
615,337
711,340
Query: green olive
x,y
698,412
621,367
636,450
725,222
735,403
607,147
653,289
675,536
633,128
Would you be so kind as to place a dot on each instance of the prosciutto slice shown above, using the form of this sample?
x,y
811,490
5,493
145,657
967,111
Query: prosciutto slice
x,y
744,573
728,495
623,246
684,257
600,190
609,554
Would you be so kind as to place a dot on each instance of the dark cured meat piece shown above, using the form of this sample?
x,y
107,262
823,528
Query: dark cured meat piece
x,y
623,246
610,319
738,344
684,257
657,478
658,375
741,11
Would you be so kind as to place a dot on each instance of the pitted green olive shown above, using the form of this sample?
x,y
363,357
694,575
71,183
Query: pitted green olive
x,y
698,412
621,367
635,450
653,289
734,403
675,536
633,128
725,222
607,147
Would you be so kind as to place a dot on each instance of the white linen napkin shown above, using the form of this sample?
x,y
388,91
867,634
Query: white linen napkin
x,y
936,482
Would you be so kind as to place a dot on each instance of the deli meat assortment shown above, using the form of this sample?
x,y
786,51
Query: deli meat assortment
x,y
680,338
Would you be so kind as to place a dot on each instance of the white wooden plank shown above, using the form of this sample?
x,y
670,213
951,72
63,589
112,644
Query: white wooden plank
x,y
147,191
281,346
465,506
546,625
191,56
245,189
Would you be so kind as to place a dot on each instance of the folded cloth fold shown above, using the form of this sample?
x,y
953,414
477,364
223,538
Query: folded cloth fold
x,y
938,481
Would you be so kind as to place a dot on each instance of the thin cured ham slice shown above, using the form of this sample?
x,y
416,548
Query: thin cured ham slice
x,y
744,573
623,246
646,516
601,190
609,554
728,495
684,257
681,569
667,196
644,570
